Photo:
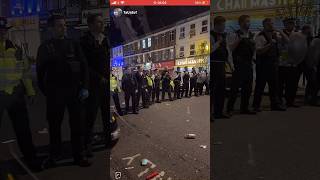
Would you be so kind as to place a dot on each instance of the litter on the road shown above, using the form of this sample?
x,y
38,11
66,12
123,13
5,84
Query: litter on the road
x,y
144,162
203,146
188,120
168,104
43,131
190,136
127,168
152,175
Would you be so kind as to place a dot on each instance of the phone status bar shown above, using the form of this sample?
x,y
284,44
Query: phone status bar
x,y
160,3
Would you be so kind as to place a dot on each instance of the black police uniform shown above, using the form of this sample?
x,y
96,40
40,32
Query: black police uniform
x,y
242,76
186,82
177,82
145,92
140,94
193,84
219,57
156,84
130,86
267,71
62,71
166,86
97,55
16,106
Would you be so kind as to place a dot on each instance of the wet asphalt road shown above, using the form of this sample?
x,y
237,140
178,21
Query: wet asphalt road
x,y
157,134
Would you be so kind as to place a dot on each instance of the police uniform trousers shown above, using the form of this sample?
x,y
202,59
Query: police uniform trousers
x,y
193,87
185,89
16,107
312,86
141,94
166,88
156,93
127,95
242,77
266,73
219,83
177,92
58,100
150,94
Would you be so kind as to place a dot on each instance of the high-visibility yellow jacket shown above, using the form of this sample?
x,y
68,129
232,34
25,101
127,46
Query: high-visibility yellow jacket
x,y
150,81
14,71
172,83
113,84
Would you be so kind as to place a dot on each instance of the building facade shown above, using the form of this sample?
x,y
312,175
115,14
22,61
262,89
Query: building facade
x,y
193,42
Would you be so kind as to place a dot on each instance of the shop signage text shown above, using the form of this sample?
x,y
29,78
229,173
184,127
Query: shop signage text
x,y
224,5
190,61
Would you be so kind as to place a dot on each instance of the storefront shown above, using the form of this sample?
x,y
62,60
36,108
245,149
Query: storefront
x,y
162,65
197,62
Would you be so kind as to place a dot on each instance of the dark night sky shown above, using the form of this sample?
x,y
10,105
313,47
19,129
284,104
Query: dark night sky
x,y
157,18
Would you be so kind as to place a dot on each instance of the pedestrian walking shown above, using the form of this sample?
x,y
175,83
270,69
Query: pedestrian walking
x,y
267,66
15,84
242,45
62,73
219,57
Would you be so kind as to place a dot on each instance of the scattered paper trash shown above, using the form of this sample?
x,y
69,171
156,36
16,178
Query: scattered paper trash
x,y
188,120
43,131
144,162
127,168
190,136
203,146
152,175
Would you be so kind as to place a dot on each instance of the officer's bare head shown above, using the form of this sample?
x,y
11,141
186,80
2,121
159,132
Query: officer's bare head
x,y
219,24
244,22
289,24
57,23
96,23
268,24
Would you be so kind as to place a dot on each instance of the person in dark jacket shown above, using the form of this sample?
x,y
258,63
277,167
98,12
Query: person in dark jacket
x,y
157,81
140,93
130,87
193,83
166,85
62,73
177,82
96,49
145,92
186,83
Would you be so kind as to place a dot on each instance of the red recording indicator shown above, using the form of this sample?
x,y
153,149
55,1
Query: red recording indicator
x,y
159,2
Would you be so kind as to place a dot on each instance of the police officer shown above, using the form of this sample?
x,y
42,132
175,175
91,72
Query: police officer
x,y
219,57
267,65
157,81
166,85
145,92
115,89
95,46
63,78
140,94
15,83
186,82
242,45
206,83
177,82
130,87
150,87
193,82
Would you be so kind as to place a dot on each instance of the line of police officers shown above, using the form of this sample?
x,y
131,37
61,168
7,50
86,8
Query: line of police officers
x,y
72,75
279,63
146,85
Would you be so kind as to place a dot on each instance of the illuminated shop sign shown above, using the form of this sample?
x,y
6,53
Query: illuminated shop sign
x,y
224,5
191,61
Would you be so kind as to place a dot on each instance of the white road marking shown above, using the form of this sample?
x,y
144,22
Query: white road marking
x,y
131,158
188,110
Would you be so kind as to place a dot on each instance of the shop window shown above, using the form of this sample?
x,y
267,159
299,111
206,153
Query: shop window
x,y
143,44
172,36
171,55
192,30
149,42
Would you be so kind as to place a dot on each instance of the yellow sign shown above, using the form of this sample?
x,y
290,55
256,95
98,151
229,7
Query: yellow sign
x,y
191,61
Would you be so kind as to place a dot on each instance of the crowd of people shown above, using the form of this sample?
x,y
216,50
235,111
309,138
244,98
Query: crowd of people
x,y
280,58
71,74
147,85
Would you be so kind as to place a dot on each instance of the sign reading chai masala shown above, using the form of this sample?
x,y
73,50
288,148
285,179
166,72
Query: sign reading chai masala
x,y
225,5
